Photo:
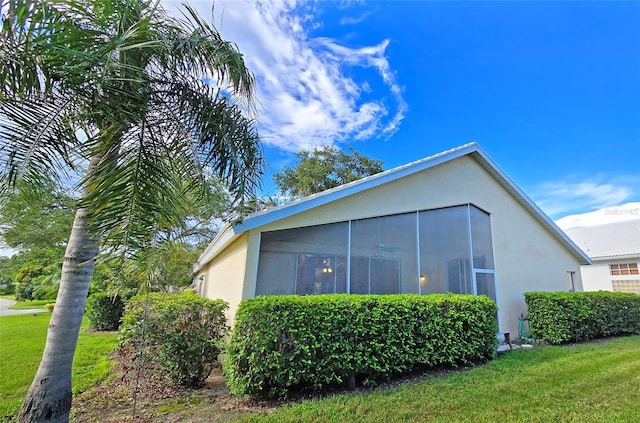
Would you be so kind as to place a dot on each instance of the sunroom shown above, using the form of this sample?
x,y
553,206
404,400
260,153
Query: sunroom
x,y
424,252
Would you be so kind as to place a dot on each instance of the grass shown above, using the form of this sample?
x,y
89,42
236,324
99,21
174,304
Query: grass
x,y
23,338
592,382
25,305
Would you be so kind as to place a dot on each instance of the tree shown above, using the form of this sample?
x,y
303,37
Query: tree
x,y
324,168
36,217
148,104
35,221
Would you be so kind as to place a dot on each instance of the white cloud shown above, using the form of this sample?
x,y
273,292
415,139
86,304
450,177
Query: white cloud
x,y
597,200
347,20
620,213
306,98
579,195
561,197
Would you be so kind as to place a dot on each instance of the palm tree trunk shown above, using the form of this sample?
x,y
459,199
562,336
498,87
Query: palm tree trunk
x,y
49,397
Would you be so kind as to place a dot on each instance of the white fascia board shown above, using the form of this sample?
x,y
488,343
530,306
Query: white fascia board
x,y
633,256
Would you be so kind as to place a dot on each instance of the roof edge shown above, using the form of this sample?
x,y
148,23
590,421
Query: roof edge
x,y
617,257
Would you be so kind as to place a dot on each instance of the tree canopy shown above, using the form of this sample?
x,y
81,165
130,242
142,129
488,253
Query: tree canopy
x,y
36,217
35,221
323,168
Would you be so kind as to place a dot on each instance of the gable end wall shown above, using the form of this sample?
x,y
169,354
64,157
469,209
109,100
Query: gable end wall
x,y
527,256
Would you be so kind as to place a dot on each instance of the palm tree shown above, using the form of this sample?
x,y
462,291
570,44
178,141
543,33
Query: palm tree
x,y
152,106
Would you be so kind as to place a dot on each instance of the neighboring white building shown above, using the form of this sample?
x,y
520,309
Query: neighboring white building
x,y
453,222
614,249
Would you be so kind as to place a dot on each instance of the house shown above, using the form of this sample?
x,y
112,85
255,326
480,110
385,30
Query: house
x,y
614,249
452,222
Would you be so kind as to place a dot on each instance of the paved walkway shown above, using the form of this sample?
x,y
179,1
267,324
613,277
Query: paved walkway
x,y
5,304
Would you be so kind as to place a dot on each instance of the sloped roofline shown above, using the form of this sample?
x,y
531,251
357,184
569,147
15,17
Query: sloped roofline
x,y
255,220
633,256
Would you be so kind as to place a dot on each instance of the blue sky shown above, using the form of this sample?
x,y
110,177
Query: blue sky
x,y
551,90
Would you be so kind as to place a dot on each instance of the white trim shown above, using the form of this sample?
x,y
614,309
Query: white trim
x,y
470,239
524,199
220,242
349,258
418,252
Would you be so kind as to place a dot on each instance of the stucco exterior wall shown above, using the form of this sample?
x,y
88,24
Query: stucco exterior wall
x,y
223,277
527,256
596,277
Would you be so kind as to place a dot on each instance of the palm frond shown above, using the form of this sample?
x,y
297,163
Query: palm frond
x,y
37,139
23,25
138,80
211,131
201,50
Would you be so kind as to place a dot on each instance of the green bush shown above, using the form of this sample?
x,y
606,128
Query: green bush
x,y
7,288
24,292
183,333
49,307
282,344
45,291
560,317
104,310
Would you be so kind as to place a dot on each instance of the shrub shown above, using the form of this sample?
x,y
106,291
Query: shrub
x,y
7,288
45,291
49,307
560,317
281,344
24,292
29,291
183,332
104,310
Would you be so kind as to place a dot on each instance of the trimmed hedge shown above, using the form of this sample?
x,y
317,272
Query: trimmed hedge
x,y
183,333
560,317
104,310
283,344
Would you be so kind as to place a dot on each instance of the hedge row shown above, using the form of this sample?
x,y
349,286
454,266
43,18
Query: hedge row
x,y
560,317
182,332
283,344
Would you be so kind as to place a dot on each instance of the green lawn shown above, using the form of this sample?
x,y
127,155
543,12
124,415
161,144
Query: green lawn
x,y
24,305
593,382
19,359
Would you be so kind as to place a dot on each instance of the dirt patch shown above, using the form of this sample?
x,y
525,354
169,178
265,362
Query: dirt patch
x,y
157,401
142,394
